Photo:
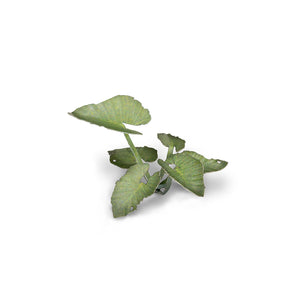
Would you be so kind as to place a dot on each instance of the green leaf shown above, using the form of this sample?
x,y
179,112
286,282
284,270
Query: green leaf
x,y
170,140
130,191
124,157
113,112
164,186
188,171
210,165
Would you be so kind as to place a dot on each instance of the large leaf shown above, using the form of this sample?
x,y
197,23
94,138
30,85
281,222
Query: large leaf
x,y
113,112
210,165
130,191
124,157
188,171
170,140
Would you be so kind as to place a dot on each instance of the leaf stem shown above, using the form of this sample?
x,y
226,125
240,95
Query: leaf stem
x,y
133,149
170,151
135,152
165,185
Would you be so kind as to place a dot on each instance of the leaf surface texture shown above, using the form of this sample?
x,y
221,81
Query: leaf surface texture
x,y
170,140
130,191
187,171
210,165
113,112
124,157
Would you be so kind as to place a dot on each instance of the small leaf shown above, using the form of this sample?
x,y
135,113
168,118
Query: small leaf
x,y
170,140
188,172
164,186
124,157
210,165
130,191
113,112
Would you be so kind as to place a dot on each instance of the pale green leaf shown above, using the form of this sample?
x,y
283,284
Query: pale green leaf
x,y
124,157
187,171
210,165
130,191
113,112
170,140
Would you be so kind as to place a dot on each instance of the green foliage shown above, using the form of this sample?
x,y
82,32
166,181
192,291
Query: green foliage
x,y
130,191
113,112
164,186
124,158
169,140
210,165
187,171
187,167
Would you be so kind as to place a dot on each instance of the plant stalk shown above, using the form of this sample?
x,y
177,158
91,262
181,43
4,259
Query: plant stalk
x,y
165,185
135,153
170,152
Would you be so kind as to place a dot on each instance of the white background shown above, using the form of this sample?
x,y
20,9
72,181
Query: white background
x,y
223,75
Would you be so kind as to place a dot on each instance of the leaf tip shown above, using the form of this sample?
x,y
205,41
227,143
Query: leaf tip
x,y
159,161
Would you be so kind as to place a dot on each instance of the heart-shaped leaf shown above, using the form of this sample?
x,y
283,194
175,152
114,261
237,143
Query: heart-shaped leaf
x,y
170,140
187,171
113,112
210,165
130,191
124,157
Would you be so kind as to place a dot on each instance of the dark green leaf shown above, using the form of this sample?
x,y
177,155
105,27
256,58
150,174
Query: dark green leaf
x,y
164,186
124,157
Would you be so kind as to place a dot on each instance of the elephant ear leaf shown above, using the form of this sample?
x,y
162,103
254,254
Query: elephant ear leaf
x,y
210,165
124,157
113,112
188,171
130,191
170,140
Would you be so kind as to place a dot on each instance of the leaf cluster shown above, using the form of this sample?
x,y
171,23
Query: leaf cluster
x,y
186,167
